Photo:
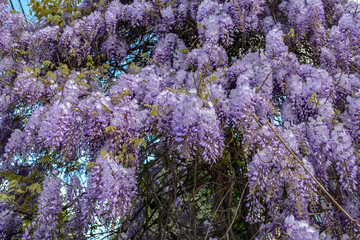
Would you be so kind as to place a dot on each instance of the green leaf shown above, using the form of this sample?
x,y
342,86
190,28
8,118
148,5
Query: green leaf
x,y
207,95
215,100
110,128
313,99
134,67
45,158
141,142
212,79
3,197
90,165
81,75
291,33
138,142
13,183
36,173
29,70
19,190
127,92
184,50
115,100
35,188
46,63
103,153
154,113
130,157
51,75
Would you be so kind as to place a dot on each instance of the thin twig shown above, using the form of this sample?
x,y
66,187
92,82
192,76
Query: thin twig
x,y
272,70
192,45
217,209
352,93
237,209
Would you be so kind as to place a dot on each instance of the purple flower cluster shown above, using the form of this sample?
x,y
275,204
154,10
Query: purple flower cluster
x,y
275,46
206,59
28,88
194,124
109,191
115,47
10,221
246,14
45,226
276,181
10,28
214,22
74,202
165,47
305,17
343,157
78,37
300,230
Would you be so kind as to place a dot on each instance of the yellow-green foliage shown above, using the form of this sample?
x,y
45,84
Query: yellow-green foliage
x,y
53,10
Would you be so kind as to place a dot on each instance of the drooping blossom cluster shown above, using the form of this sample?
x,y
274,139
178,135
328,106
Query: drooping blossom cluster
x,y
78,37
305,17
28,88
10,221
300,229
11,27
45,226
110,190
215,23
194,125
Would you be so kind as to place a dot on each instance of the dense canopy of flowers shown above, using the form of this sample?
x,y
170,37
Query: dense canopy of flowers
x,y
103,106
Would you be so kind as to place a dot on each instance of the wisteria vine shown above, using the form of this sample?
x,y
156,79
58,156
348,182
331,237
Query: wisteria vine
x,y
159,119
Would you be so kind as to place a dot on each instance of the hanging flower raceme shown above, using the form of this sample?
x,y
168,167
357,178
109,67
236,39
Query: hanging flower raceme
x,y
78,37
277,180
10,27
110,190
45,226
215,24
9,221
115,47
28,88
192,123
301,230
